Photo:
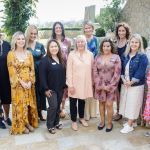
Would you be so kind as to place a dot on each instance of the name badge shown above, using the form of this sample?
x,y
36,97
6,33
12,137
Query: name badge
x,y
53,63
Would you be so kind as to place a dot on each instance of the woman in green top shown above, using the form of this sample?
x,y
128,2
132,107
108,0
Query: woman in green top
x,y
38,51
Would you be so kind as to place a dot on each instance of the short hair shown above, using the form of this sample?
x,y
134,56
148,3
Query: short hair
x,y
14,39
82,37
88,22
127,28
113,50
53,31
139,38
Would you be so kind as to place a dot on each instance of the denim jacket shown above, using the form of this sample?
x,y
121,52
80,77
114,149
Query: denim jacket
x,y
137,68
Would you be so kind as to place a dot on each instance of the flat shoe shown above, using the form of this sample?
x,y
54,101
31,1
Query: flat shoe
x,y
74,126
109,129
84,123
31,129
100,127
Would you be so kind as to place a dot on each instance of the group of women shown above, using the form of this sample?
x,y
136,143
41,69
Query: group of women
x,y
87,74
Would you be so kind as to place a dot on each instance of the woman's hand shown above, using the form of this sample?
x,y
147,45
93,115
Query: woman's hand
x,y
24,84
48,93
71,90
128,83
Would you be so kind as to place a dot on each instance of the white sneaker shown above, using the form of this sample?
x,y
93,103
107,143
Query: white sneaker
x,y
134,124
127,129
147,134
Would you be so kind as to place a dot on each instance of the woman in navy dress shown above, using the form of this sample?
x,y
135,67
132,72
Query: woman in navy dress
x,y
5,91
38,51
122,34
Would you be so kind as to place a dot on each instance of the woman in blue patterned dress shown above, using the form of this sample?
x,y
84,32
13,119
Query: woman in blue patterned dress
x,y
38,51
92,45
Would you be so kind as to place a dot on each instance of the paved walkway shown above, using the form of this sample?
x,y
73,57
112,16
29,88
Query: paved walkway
x,y
85,139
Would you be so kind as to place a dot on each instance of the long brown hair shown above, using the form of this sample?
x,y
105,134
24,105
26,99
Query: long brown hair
x,y
59,55
113,50
127,28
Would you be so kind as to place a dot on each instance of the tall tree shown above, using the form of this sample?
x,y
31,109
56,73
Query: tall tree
x,y
17,14
110,15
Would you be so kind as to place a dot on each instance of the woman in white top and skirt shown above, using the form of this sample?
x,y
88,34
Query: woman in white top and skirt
x,y
134,63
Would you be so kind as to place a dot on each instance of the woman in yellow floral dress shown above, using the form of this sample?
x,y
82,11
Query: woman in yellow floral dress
x,y
22,79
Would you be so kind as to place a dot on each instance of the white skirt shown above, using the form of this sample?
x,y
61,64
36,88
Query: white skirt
x,y
131,100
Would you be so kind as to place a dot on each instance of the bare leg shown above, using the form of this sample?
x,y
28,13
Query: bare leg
x,y
102,113
109,107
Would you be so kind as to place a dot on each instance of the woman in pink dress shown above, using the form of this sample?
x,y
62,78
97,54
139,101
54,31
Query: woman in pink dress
x,y
147,105
106,75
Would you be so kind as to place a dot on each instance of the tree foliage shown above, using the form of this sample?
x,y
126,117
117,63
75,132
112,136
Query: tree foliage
x,y
110,15
17,14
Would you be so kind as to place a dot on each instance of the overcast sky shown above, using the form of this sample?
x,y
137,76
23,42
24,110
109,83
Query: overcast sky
x,y
53,10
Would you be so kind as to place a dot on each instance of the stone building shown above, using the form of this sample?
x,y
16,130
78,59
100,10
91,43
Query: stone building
x,y
137,14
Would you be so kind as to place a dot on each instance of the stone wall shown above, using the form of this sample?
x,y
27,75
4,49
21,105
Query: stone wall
x,y
137,14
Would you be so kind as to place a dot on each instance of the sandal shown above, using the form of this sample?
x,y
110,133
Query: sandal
x,y
117,117
31,129
84,123
52,130
59,126
26,131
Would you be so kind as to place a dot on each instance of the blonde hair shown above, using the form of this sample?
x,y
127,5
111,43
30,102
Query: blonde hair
x,y
80,37
28,32
139,38
14,39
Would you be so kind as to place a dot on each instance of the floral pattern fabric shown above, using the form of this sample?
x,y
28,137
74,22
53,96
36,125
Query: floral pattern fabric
x,y
24,109
108,75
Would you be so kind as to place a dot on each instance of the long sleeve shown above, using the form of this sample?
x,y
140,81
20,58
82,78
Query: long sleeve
x,y
69,74
32,71
43,75
116,77
96,78
140,72
13,75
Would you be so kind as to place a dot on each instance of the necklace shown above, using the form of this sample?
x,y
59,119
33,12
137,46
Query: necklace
x,y
21,56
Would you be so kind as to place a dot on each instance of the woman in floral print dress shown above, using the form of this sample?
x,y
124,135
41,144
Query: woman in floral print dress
x,y
106,75
22,78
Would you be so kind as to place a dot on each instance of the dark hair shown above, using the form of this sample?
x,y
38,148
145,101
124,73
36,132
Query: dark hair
x,y
127,28
111,44
53,30
59,55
